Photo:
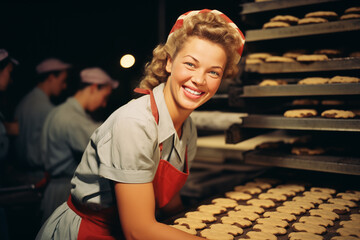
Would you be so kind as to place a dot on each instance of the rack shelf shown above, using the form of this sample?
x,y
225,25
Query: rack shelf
x,y
334,164
316,123
255,7
302,30
299,90
348,63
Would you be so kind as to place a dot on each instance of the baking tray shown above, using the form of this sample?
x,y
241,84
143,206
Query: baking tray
x,y
339,182
315,123
302,30
348,63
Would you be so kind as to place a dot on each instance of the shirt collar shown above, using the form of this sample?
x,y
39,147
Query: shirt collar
x,y
76,105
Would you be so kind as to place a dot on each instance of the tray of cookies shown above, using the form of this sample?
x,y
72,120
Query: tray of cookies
x,y
283,207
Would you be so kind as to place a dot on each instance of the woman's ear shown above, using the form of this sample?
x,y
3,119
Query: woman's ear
x,y
168,65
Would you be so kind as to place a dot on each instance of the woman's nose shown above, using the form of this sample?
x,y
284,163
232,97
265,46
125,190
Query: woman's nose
x,y
199,78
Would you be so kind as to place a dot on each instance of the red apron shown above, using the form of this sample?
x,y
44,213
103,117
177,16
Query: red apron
x,y
105,224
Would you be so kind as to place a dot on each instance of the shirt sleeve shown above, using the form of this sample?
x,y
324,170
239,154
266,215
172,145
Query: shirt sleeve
x,y
79,135
127,153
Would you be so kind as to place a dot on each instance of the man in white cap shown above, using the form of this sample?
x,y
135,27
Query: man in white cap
x,y
31,113
66,134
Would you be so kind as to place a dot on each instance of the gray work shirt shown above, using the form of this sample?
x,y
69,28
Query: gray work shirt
x,y
31,114
126,149
65,134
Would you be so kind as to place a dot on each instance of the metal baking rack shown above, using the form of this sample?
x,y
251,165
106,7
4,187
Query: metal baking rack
x,y
303,30
295,90
334,164
349,63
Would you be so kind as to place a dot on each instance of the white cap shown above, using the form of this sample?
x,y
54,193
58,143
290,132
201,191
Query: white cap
x,y
51,64
4,54
97,76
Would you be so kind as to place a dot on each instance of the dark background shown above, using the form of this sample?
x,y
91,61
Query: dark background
x,y
88,34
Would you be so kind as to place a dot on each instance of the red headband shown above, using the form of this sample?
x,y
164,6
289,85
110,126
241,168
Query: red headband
x,y
180,21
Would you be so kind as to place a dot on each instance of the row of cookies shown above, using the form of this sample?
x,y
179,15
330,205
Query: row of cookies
x,y
312,17
312,81
331,113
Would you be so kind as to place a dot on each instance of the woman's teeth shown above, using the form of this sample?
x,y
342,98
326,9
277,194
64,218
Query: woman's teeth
x,y
192,91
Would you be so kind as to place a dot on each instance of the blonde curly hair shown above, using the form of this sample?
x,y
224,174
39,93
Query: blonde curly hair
x,y
205,25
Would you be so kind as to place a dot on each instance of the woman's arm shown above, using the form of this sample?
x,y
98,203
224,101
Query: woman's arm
x,y
136,206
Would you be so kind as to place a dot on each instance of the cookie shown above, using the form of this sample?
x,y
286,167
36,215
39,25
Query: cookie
x,y
355,216
300,113
215,235
350,224
319,195
337,208
272,196
247,189
275,25
253,61
270,82
227,228
335,113
261,235
349,196
329,52
270,229
344,238
312,20
314,81
324,214
292,187
350,16
212,209
273,221
283,216
307,199
355,54
297,102
237,221
304,236
261,203
307,151
291,209
307,227
304,205
295,53
281,191
190,223
344,79
279,59
250,208
238,195
316,221
259,55
243,214
329,15
312,58
203,216
292,20
352,10
343,202
348,231
332,102
225,202
261,185
185,229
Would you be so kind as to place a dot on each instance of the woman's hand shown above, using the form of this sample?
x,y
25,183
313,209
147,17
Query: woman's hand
x,y
136,206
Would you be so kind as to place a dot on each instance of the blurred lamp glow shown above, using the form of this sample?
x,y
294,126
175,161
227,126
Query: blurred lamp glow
x,y
127,61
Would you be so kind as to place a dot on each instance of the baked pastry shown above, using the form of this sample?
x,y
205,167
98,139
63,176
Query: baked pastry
x,y
279,59
285,18
300,113
238,195
185,229
304,236
312,58
295,53
227,228
329,52
297,102
270,82
352,10
308,227
335,113
253,61
312,20
307,151
355,54
275,25
350,16
259,55
316,221
215,235
344,79
329,15
190,223
313,81
270,229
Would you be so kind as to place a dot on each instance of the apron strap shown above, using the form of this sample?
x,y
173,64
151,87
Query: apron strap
x,y
152,102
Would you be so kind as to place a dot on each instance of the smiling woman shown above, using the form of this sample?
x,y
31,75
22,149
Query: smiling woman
x,y
139,159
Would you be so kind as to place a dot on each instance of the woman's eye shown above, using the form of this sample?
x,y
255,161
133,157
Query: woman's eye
x,y
190,64
214,73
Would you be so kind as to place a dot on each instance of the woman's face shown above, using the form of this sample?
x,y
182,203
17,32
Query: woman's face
x,y
5,77
195,74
